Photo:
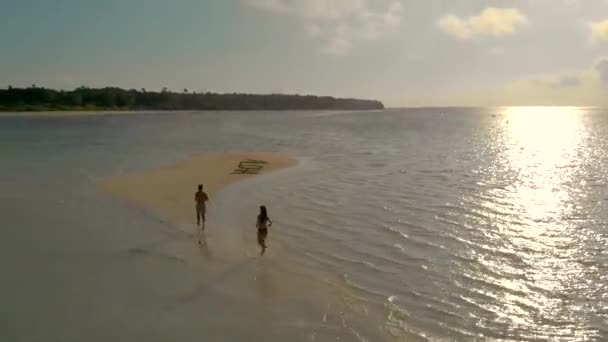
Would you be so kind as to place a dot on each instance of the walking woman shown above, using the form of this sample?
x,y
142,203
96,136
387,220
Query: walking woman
x,y
263,223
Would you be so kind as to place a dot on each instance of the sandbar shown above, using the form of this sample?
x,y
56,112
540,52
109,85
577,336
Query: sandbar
x,y
168,191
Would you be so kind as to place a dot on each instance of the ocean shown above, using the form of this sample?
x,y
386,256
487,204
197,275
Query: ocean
x,y
421,224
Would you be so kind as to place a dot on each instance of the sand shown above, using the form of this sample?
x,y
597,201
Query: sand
x,y
169,190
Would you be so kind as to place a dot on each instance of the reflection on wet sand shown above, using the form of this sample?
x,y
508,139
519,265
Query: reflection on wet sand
x,y
204,246
327,308
264,279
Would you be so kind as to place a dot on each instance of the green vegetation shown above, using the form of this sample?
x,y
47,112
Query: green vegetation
x,y
110,98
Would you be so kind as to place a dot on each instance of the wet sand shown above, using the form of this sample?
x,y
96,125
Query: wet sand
x,y
289,299
169,190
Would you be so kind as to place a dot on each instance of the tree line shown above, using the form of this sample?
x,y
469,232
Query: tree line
x,y
111,98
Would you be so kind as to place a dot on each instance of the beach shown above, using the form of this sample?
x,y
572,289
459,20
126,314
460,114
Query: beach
x,y
169,190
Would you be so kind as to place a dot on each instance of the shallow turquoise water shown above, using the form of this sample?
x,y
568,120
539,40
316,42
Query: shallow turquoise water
x,y
416,224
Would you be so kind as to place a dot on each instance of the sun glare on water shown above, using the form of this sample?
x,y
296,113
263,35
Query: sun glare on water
x,y
542,143
540,154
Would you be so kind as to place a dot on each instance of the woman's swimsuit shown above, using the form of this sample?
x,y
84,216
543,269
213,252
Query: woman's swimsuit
x,y
262,231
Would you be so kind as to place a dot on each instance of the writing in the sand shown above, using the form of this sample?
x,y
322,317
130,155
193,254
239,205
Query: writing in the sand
x,y
249,167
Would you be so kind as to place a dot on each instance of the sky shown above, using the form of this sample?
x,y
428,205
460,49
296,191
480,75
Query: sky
x,y
402,52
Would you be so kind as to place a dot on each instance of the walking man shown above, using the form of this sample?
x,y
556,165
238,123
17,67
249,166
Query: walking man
x,y
201,198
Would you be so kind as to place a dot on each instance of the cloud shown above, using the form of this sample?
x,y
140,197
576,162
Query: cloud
x,y
593,76
393,15
338,24
277,6
599,31
602,69
497,51
313,9
337,46
585,86
559,81
314,30
567,81
491,22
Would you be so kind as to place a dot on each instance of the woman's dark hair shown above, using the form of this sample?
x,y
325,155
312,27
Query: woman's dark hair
x,y
200,186
263,214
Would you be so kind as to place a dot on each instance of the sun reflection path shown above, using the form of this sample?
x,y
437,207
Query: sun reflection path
x,y
541,146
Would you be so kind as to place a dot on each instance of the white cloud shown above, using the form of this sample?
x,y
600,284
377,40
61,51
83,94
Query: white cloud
x,y
491,22
599,31
338,24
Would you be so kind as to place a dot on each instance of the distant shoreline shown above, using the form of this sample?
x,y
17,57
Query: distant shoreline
x,y
83,99
151,110
84,113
